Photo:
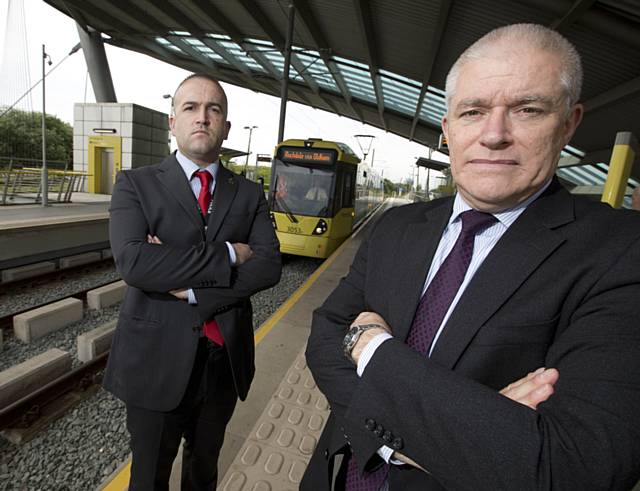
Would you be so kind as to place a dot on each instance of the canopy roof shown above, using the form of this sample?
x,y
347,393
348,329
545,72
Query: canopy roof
x,y
377,61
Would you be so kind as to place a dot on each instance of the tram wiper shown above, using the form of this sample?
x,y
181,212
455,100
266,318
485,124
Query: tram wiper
x,y
292,218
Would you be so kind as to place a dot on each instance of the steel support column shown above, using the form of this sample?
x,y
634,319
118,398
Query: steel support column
x,y
97,64
285,77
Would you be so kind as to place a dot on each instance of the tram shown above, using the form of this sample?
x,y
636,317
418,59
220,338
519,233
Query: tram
x,y
319,192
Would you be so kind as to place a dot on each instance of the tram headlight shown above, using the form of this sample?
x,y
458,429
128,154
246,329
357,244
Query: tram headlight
x,y
321,227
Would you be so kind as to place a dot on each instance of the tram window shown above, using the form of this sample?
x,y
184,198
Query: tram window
x,y
347,191
302,190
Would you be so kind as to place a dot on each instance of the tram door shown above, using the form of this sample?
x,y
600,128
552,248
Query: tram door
x,y
105,156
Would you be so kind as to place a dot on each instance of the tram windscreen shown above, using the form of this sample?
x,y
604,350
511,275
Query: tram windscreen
x,y
302,190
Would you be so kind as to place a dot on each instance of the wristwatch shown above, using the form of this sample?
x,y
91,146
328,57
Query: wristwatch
x,y
353,334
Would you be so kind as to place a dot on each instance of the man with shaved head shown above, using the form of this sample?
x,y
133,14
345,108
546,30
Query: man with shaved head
x,y
450,301
193,242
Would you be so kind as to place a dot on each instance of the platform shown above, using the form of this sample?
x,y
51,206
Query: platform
x,y
83,204
32,233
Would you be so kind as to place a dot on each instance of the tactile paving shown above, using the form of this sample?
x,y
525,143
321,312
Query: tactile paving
x,y
279,447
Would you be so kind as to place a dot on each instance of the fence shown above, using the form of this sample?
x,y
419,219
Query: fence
x,y
24,185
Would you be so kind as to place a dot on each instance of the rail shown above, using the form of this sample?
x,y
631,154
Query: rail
x,y
23,185
24,412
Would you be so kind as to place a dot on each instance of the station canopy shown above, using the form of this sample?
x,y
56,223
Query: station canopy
x,y
379,62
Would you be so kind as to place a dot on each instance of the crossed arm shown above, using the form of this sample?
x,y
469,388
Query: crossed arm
x,y
147,263
242,252
585,434
530,390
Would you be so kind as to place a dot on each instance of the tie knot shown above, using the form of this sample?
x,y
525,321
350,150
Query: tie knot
x,y
474,221
205,177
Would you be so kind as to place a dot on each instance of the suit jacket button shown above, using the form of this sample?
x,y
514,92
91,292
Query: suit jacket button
x,y
370,424
378,431
195,328
387,437
397,443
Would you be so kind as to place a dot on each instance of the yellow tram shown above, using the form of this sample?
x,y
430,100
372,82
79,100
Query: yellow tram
x,y
318,194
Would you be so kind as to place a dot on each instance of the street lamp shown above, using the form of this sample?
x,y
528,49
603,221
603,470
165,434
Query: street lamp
x,y
362,143
246,162
170,97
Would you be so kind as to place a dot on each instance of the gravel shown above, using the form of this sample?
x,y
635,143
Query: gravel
x,y
23,296
80,449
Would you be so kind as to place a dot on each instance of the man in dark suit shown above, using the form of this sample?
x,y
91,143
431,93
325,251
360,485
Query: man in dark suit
x,y
512,274
193,242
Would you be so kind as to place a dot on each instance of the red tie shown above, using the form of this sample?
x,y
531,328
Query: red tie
x,y
210,328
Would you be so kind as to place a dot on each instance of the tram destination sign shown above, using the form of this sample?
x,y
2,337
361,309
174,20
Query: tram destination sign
x,y
308,155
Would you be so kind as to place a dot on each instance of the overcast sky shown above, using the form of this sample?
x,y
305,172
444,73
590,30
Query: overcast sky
x,y
143,80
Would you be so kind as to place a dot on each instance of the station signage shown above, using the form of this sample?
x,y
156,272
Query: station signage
x,y
308,156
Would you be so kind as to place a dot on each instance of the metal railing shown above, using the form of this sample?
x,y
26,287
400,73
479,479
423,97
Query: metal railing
x,y
24,185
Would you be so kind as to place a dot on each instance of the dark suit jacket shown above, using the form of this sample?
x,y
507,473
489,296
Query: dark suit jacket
x,y
157,335
560,289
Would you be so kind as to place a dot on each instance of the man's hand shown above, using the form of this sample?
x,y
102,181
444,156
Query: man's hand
x,y
243,252
533,389
406,460
368,335
180,294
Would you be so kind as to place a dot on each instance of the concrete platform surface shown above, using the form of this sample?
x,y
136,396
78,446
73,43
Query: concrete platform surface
x,y
83,205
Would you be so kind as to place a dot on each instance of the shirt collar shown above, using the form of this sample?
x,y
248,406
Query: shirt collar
x,y
189,167
506,217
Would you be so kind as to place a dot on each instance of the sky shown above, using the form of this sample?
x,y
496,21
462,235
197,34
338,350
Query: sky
x,y
143,80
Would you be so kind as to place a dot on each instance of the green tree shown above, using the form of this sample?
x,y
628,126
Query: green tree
x,y
263,171
390,188
21,139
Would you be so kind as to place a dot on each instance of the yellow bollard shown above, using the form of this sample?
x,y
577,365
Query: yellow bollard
x,y
624,153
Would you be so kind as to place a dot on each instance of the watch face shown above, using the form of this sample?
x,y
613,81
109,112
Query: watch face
x,y
348,339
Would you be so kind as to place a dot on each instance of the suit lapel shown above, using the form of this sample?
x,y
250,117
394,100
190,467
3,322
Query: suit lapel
x,y
418,244
172,177
223,196
520,251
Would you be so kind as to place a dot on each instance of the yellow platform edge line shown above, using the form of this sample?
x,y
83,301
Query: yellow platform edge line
x,y
270,323
121,480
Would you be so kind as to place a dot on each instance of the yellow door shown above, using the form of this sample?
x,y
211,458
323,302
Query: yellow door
x,y
105,160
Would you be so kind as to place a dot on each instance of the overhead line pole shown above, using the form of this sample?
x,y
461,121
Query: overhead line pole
x,y
45,173
285,79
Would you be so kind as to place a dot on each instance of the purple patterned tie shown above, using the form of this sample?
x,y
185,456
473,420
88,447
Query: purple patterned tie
x,y
429,315
445,284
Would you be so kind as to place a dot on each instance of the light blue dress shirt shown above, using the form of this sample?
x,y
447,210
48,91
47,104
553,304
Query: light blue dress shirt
x,y
189,168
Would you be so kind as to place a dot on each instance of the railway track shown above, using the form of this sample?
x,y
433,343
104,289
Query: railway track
x,y
6,321
24,417
58,274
